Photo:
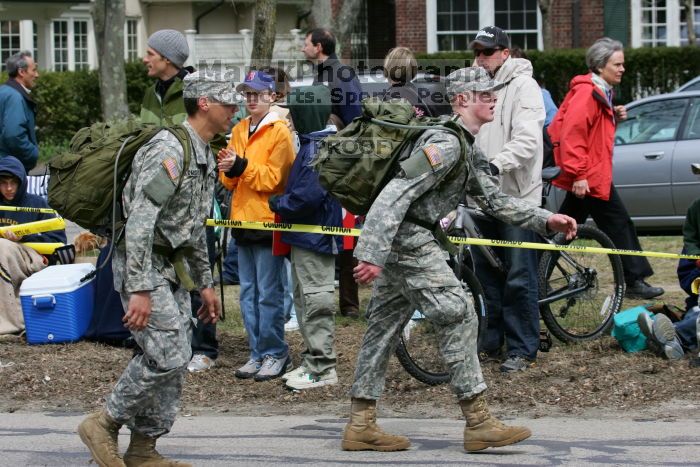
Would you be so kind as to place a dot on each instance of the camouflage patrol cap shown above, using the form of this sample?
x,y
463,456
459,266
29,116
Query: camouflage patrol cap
x,y
473,78
211,84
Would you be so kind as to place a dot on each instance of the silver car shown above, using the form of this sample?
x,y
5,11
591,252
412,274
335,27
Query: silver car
x,y
655,149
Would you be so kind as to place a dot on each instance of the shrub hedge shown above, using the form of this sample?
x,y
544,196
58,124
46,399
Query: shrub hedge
x,y
70,100
648,71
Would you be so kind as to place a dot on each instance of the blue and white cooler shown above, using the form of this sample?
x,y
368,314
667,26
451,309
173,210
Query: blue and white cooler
x,y
57,303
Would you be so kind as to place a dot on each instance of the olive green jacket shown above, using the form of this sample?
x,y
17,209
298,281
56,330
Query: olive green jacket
x,y
168,111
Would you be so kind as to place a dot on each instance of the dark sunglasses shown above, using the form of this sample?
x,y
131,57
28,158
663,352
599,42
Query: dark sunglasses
x,y
487,52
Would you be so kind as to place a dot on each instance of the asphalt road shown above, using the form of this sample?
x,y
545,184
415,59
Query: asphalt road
x,y
219,440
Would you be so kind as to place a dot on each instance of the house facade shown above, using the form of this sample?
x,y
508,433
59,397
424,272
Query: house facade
x,y
447,25
61,33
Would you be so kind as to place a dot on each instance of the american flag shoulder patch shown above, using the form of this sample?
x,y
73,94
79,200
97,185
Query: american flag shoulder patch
x,y
434,155
171,168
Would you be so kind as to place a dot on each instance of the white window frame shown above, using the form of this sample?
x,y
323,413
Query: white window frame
x,y
87,45
69,41
137,22
673,24
26,41
91,46
487,14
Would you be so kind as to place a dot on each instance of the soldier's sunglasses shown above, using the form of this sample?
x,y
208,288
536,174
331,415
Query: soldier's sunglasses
x,y
487,52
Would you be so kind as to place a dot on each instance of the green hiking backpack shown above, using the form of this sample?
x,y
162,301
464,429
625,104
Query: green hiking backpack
x,y
356,163
87,180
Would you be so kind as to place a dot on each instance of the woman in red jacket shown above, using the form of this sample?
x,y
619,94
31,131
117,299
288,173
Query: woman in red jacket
x,y
583,133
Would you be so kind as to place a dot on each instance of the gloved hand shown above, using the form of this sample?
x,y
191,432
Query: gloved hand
x,y
272,202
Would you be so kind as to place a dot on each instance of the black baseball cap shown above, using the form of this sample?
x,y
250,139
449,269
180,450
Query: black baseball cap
x,y
491,37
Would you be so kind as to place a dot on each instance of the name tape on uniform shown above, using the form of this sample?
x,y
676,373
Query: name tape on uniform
x,y
320,229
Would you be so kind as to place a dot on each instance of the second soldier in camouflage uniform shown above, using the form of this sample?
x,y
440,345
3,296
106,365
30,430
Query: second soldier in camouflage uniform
x,y
411,271
163,253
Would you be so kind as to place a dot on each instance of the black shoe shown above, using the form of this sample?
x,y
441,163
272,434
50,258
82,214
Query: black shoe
x,y
641,290
491,356
353,313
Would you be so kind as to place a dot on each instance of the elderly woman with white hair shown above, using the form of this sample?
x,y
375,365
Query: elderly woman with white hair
x,y
583,133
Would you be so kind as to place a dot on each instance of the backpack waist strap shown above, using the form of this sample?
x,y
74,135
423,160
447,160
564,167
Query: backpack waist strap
x,y
176,256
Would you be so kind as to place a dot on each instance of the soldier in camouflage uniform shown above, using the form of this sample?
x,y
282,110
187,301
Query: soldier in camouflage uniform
x,y
412,273
163,252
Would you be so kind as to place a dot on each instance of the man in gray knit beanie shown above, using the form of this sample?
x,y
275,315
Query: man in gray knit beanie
x,y
165,56
171,44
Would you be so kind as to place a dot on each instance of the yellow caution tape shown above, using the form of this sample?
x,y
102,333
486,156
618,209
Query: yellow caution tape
x,y
23,209
57,223
329,230
43,248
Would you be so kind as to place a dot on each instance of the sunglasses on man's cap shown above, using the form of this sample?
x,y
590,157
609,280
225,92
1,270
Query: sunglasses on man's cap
x,y
487,52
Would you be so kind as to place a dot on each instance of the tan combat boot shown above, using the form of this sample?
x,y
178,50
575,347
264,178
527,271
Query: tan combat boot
x,y
99,432
484,430
362,433
142,452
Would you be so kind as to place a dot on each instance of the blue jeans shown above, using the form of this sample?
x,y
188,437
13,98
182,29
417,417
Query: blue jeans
x,y
262,300
511,300
231,263
687,329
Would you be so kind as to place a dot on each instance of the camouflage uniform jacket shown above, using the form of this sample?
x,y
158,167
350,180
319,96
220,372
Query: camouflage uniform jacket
x,y
158,214
417,192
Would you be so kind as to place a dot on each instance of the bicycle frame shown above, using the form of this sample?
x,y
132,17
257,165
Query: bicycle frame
x,y
465,226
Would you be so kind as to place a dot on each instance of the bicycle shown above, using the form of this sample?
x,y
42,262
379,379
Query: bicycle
x,y
579,292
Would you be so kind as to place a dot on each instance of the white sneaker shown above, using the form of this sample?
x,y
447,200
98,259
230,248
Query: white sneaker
x,y
291,325
307,380
199,363
295,373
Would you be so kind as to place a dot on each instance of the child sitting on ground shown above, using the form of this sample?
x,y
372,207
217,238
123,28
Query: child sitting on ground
x,y
17,262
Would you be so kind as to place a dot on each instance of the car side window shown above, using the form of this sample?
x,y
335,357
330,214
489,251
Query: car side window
x,y
693,87
651,122
692,126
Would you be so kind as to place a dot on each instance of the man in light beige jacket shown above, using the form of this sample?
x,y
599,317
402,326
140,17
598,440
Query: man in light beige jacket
x,y
513,144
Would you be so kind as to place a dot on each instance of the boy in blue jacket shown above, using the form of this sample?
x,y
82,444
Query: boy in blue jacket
x,y
312,255
17,262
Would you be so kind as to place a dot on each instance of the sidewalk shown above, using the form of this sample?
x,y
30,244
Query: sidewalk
x,y
50,439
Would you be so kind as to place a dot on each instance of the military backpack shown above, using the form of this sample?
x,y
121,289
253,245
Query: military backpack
x,y
356,163
88,179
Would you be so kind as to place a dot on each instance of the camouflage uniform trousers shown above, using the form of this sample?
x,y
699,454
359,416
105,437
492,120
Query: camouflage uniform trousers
x,y
419,279
314,300
148,392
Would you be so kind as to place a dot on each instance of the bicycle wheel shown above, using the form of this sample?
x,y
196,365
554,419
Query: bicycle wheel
x,y
418,350
580,292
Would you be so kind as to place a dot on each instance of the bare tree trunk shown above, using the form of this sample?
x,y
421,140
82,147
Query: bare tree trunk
x,y
545,9
345,21
690,20
108,17
321,16
264,32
